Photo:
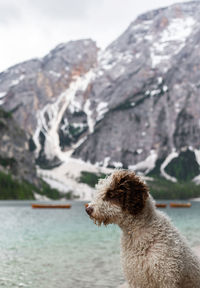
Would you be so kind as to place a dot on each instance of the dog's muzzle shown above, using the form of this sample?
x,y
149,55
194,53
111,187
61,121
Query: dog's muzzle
x,y
89,210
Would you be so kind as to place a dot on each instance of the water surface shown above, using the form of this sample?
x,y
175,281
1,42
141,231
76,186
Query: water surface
x,y
55,248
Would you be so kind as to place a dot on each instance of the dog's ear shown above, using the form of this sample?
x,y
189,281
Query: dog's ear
x,y
115,193
128,191
136,194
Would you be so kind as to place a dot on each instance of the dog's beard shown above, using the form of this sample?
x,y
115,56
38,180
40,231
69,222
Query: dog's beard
x,y
100,221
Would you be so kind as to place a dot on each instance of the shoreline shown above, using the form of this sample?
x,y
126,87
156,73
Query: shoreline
x,y
40,197
195,199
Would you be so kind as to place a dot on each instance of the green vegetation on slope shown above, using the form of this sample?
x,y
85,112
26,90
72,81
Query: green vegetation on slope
x,y
161,188
5,114
11,189
184,167
90,178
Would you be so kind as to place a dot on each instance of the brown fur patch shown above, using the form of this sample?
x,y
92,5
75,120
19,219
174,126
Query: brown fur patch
x,y
128,191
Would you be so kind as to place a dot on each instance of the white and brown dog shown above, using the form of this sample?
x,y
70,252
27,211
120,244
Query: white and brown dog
x,y
154,254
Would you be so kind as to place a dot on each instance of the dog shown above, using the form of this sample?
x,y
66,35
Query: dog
x,y
153,253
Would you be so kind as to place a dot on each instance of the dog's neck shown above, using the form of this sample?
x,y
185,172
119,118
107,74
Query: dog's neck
x,y
136,223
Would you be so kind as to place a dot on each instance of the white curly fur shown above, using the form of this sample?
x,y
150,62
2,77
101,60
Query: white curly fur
x,y
153,253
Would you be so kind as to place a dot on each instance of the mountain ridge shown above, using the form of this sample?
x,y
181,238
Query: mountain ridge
x,y
133,105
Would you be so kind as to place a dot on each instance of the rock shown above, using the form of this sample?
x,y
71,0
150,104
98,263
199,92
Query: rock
x,y
15,156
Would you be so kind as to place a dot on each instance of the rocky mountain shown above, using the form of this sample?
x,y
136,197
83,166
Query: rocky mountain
x,y
15,155
135,104
18,175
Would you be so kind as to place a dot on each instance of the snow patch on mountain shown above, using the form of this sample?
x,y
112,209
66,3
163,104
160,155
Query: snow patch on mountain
x,y
74,146
2,95
155,92
197,155
108,59
101,109
147,165
51,115
106,161
40,197
141,27
17,81
88,111
165,88
65,178
75,106
117,164
178,30
175,34
55,74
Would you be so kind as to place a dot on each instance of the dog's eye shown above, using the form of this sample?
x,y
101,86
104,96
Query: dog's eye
x,y
123,179
122,187
110,194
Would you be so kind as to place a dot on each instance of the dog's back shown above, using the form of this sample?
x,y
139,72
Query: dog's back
x,y
157,256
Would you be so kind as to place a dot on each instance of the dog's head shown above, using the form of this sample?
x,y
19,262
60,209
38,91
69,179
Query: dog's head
x,y
120,194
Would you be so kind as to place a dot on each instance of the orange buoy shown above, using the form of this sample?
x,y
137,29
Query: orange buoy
x,y
51,206
180,205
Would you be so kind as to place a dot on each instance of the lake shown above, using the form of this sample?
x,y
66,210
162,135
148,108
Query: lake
x,y
57,248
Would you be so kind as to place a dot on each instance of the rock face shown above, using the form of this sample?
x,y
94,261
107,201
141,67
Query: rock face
x,y
136,104
29,87
15,155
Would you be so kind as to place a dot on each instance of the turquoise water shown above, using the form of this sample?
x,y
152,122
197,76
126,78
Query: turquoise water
x,y
64,249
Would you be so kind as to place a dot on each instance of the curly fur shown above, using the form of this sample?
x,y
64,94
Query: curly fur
x,y
121,189
153,253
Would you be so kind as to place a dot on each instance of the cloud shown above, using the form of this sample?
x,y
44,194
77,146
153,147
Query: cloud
x,y
30,28
9,11
62,9
12,10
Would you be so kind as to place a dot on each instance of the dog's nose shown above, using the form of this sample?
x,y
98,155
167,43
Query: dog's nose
x,y
89,210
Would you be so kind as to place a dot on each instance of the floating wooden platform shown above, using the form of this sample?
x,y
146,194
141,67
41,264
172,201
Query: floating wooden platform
x,y
161,205
55,206
180,205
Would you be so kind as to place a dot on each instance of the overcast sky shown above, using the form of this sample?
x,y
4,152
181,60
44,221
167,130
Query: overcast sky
x,y
30,28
